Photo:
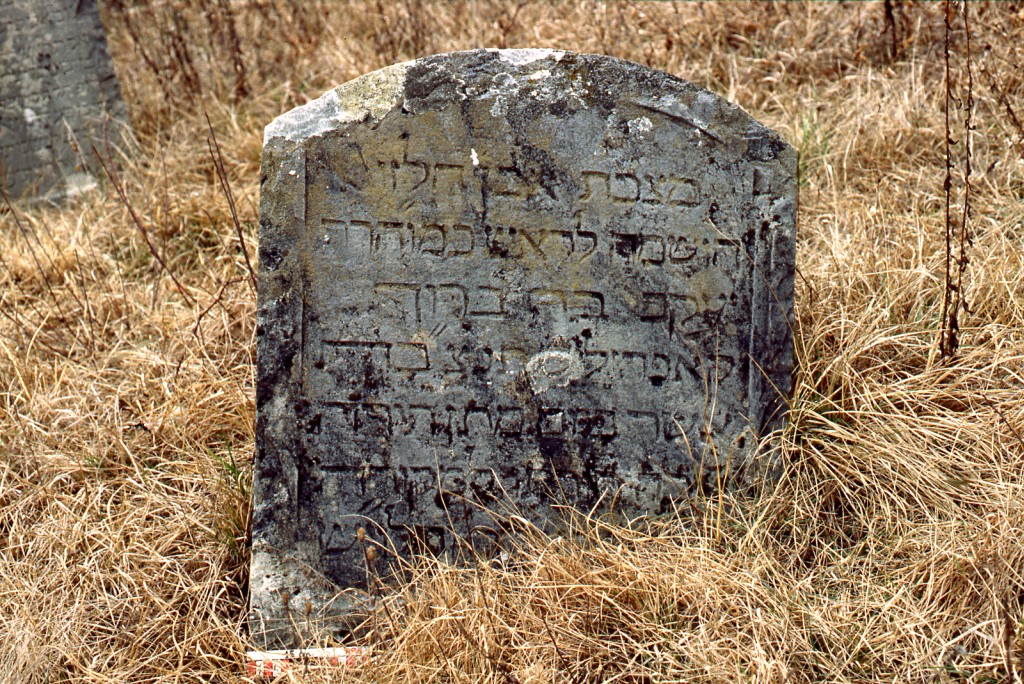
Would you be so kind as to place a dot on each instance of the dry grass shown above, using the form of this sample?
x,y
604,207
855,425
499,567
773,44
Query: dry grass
x,y
891,549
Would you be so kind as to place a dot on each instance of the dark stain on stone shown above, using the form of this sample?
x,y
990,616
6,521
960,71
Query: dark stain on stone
x,y
628,244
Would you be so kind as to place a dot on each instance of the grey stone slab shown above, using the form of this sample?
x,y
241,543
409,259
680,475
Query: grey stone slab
x,y
504,280
58,96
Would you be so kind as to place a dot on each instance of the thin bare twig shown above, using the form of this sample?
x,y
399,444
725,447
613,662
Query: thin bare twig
x,y
965,215
953,300
115,180
222,177
39,267
947,188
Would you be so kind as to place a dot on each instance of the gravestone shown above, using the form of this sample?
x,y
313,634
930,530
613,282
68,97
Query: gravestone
x,y
58,96
504,280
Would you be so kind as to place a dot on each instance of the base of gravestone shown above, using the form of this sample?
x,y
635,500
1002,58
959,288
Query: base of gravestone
x,y
295,606
87,175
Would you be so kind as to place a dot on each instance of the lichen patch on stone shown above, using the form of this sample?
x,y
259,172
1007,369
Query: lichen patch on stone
x,y
553,368
528,55
372,95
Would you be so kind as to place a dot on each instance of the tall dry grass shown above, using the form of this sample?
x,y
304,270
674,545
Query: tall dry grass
x,y
890,549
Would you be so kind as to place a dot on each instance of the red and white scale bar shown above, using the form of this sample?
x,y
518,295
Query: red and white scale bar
x,y
269,664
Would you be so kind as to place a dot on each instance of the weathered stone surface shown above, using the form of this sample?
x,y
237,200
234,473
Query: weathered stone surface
x,y
58,94
505,279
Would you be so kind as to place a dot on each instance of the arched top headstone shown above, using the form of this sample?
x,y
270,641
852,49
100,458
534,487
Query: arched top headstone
x,y
506,279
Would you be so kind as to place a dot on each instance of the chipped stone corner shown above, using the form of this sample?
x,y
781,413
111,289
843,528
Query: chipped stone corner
x,y
370,96
292,605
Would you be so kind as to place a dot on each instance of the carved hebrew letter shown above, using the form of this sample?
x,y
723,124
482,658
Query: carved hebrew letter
x,y
404,297
410,356
625,187
461,240
653,306
432,239
487,301
652,249
683,191
390,237
410,176
586,304
595,185
585,244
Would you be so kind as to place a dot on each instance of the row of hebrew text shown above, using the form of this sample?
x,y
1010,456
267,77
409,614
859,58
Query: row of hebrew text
x,y
441,182
419,305
392,424
350,358
359,239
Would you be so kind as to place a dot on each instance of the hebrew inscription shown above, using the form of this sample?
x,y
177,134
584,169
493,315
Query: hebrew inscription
x,y
496,282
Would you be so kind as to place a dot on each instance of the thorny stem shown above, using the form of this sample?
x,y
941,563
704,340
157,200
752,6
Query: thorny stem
x,y
947,186
965,235
953,297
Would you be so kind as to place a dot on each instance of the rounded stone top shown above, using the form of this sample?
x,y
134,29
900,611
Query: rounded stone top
x,y
560,80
